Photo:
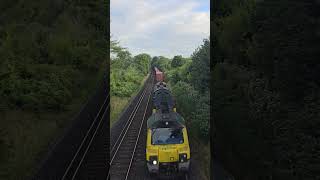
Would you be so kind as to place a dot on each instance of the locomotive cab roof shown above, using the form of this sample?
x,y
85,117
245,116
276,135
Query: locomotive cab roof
x,y
160,85
165,120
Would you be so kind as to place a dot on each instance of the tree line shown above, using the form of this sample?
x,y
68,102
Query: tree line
x,y
266,88
126,71
46,50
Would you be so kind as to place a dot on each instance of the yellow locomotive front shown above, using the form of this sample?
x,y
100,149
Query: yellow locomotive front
x,y
167,147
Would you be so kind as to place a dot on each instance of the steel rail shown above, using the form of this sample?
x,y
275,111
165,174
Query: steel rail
x,y
127,128
125,133
140,99
93,136
84,139
135,146
130,118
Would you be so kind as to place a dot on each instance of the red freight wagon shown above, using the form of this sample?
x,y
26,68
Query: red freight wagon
x,y
159,75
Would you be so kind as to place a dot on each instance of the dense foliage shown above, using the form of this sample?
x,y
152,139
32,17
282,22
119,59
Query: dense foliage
x,y
161,62
189,81
177,61
46,48
127,72
52,54
266,101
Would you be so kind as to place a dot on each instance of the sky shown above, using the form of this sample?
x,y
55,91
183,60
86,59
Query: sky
x,y
160,27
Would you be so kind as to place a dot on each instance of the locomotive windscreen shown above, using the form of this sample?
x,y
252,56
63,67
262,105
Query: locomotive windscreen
x,y
166,136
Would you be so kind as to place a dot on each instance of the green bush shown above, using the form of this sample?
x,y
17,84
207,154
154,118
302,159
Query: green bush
x,y
127,72
38,61
202,116
189,78
142,63
51,90
177,61
194,107
186,96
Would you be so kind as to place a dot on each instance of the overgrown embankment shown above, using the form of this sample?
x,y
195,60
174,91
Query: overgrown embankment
x,y
266,85
52,55
126,78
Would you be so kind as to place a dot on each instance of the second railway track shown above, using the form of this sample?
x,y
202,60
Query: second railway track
x,y
123,151
91,157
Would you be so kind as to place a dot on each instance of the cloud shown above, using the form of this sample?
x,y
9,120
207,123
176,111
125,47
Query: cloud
x,y
167,27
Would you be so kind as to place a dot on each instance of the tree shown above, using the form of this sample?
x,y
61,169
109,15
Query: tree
x,y
200,67
142,62
267,87
177,61
154,60
161,62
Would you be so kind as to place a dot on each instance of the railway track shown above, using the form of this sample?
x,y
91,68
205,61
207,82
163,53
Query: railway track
x,y
91,157
85,138
123,151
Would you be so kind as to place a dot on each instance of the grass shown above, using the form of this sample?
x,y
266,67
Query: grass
x,y
119,104
26,135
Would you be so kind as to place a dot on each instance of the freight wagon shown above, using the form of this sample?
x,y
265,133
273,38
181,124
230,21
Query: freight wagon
x,y
158,74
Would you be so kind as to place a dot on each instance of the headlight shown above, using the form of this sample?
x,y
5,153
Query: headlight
x,y
153,160
183,157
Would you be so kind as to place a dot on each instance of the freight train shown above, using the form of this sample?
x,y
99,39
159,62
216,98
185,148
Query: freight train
x,y
167,146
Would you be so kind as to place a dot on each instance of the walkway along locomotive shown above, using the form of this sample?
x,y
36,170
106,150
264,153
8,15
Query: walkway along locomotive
x,y
167,146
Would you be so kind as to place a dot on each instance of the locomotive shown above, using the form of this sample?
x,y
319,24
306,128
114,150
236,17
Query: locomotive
x,y
167,146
